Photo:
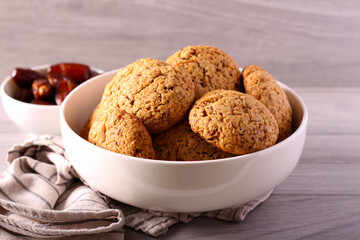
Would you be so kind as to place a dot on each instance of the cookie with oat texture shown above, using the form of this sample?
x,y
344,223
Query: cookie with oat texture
x,y
180,143
260,84
210,68
233,121
158,93
116,130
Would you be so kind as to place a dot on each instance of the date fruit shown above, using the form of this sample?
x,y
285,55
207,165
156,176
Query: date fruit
x,y
24,95
24,77
63,89
52,88
55,78
76,72
43,90
41,102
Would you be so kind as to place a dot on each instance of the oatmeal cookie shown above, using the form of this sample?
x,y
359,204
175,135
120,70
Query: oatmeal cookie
x,y
180,143
119,131
233,121
158,93
250,69
210,68
95,115
260,84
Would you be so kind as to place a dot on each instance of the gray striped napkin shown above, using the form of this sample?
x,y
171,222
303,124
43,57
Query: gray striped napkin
x,y
41,196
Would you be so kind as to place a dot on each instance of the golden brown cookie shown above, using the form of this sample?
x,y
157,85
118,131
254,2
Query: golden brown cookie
x,y
233,121
180,143
121,132
250,69
95,115
158,93
210,68
260,84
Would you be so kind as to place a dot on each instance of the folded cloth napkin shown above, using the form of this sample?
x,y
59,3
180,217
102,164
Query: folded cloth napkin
x,y
41,196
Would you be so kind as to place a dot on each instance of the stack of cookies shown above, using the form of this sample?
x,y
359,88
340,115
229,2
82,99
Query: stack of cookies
x,y
195,106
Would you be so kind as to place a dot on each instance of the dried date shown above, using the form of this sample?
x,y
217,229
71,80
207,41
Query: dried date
x,y
24,77
63,89
43,90
59,81
24,95
76,72
55,78
41,102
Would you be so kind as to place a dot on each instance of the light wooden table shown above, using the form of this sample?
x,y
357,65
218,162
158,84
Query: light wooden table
x,y
312,46
321,198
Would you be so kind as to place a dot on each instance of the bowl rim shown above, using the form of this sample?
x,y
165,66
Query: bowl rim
x,y
302,127
8,79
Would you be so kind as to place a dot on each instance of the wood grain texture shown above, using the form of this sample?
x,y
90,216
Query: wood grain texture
x,y
280,217
303,43
312,46
319,200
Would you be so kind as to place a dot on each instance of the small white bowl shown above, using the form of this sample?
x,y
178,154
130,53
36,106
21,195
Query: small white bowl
x,y
33,118
170,185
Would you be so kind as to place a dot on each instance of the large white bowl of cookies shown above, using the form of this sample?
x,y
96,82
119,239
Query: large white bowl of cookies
x,y
193,133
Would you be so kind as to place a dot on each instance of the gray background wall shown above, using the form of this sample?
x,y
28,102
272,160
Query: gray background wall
x,y
302,43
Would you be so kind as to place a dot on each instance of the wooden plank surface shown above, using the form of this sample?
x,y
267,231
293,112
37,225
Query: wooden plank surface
x,y
319,200
303,43
312,46
280,217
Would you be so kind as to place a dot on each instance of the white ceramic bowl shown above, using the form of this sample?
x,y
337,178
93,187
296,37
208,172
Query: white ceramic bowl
x,y
33,118
176,186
